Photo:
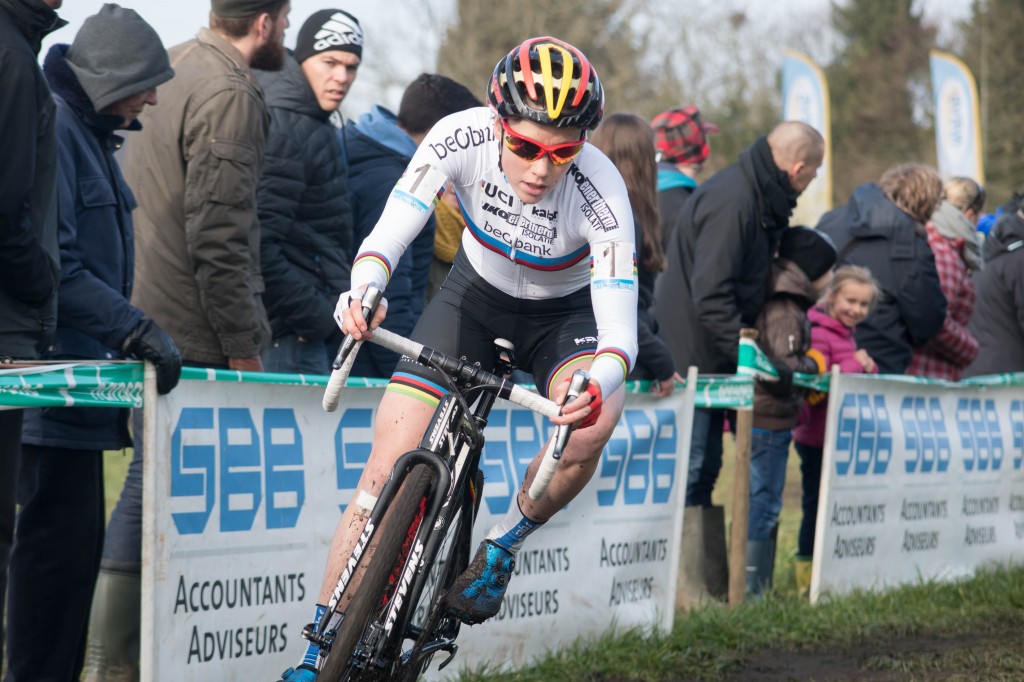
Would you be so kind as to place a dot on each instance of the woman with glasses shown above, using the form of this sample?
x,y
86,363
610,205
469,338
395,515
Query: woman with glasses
x,y
547,261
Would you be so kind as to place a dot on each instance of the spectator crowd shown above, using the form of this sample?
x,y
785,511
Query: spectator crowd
x,y
223,234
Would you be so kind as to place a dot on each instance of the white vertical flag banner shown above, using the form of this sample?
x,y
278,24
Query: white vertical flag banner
x,y
957,123
805,98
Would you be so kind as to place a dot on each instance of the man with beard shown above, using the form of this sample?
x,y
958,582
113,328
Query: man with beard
x,y
194,169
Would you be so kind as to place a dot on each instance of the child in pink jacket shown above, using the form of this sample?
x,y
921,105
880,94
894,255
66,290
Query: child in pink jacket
x,y
846,302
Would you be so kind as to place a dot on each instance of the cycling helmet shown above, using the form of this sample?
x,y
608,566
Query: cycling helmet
x,y
547,81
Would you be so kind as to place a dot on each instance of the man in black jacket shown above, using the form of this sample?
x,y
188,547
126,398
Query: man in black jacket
x,y
100,83
998,321
303,199
28,221
719,259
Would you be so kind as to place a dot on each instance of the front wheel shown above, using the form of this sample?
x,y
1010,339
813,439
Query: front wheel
x,y
384,561
452,559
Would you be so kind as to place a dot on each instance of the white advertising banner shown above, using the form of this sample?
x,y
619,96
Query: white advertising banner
x,y
244,483
919,481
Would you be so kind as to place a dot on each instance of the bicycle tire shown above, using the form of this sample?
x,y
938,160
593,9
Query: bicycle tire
x,y
383,558
454,558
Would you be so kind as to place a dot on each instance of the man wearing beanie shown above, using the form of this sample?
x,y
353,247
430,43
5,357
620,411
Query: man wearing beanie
x,y
28,223
304,208
681,138
101,82
193,169
799,276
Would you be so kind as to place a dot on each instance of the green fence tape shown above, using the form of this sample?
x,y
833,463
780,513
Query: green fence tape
x,y
72,384
119,384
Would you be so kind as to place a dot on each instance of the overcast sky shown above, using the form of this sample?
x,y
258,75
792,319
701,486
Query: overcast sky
x,y
399,33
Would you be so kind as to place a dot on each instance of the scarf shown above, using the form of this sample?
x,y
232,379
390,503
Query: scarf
x,y
778,196
951,224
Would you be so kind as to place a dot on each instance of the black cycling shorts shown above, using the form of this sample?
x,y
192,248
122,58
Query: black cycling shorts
x,y
468,314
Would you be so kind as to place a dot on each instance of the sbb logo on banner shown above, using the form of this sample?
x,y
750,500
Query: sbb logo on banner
x,y
864,438
952,506
980,434
640,461
209,445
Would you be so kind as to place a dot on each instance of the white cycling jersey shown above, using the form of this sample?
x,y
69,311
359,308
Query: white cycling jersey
x,y
580,233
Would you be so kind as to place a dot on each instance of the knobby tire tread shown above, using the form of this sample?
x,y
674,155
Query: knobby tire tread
x,y
365,604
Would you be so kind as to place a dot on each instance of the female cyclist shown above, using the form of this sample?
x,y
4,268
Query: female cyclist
x,y
547,261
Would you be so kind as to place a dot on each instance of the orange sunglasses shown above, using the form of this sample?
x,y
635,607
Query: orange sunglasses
x,y
531,150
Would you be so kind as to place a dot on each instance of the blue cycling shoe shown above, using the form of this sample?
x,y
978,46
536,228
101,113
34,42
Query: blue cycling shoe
x,y
301,674
476,594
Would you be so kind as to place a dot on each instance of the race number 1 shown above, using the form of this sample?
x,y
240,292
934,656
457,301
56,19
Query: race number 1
x,y
419,187
613,266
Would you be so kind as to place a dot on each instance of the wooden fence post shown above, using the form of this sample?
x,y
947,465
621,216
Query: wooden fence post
x,y
741,498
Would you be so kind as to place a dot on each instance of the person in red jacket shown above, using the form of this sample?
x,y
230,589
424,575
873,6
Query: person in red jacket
x,y
956,245
846,303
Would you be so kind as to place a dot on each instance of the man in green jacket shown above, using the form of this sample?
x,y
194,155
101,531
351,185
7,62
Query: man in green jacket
x,y
194,171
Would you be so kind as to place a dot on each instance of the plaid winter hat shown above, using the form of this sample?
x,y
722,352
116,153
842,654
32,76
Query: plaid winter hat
x,y
679,134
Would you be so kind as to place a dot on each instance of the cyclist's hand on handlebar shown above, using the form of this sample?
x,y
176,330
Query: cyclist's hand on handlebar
x,y
583,411
349,315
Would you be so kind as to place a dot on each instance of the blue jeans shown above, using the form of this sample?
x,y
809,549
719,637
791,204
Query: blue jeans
x,y
768,453
810,467
122,549
288,355
705,457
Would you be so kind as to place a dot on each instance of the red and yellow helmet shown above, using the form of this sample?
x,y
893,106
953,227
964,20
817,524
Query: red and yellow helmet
x,y
547,81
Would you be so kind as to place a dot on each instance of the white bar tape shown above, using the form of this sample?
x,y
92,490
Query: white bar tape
x,y
545,472
338,379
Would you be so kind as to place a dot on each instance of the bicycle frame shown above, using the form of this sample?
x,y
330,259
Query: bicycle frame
x,y
453,453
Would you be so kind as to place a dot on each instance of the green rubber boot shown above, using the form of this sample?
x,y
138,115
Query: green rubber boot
x,y
112,652
803,568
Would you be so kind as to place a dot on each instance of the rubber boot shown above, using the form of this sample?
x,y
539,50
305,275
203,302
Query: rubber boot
x,y
802,569
716,556
760,562
703,566
112,652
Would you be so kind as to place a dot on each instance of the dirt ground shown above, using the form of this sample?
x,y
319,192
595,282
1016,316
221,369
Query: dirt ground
x,y
992,657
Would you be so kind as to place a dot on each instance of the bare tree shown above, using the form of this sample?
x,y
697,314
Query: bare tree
x,y
994,52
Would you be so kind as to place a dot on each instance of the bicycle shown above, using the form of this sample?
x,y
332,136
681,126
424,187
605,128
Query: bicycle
x,y
418,538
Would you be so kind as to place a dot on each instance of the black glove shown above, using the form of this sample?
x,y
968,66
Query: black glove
x,y
149,342
784,385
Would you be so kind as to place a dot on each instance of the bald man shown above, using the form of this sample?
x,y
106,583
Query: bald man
x,y
714,284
